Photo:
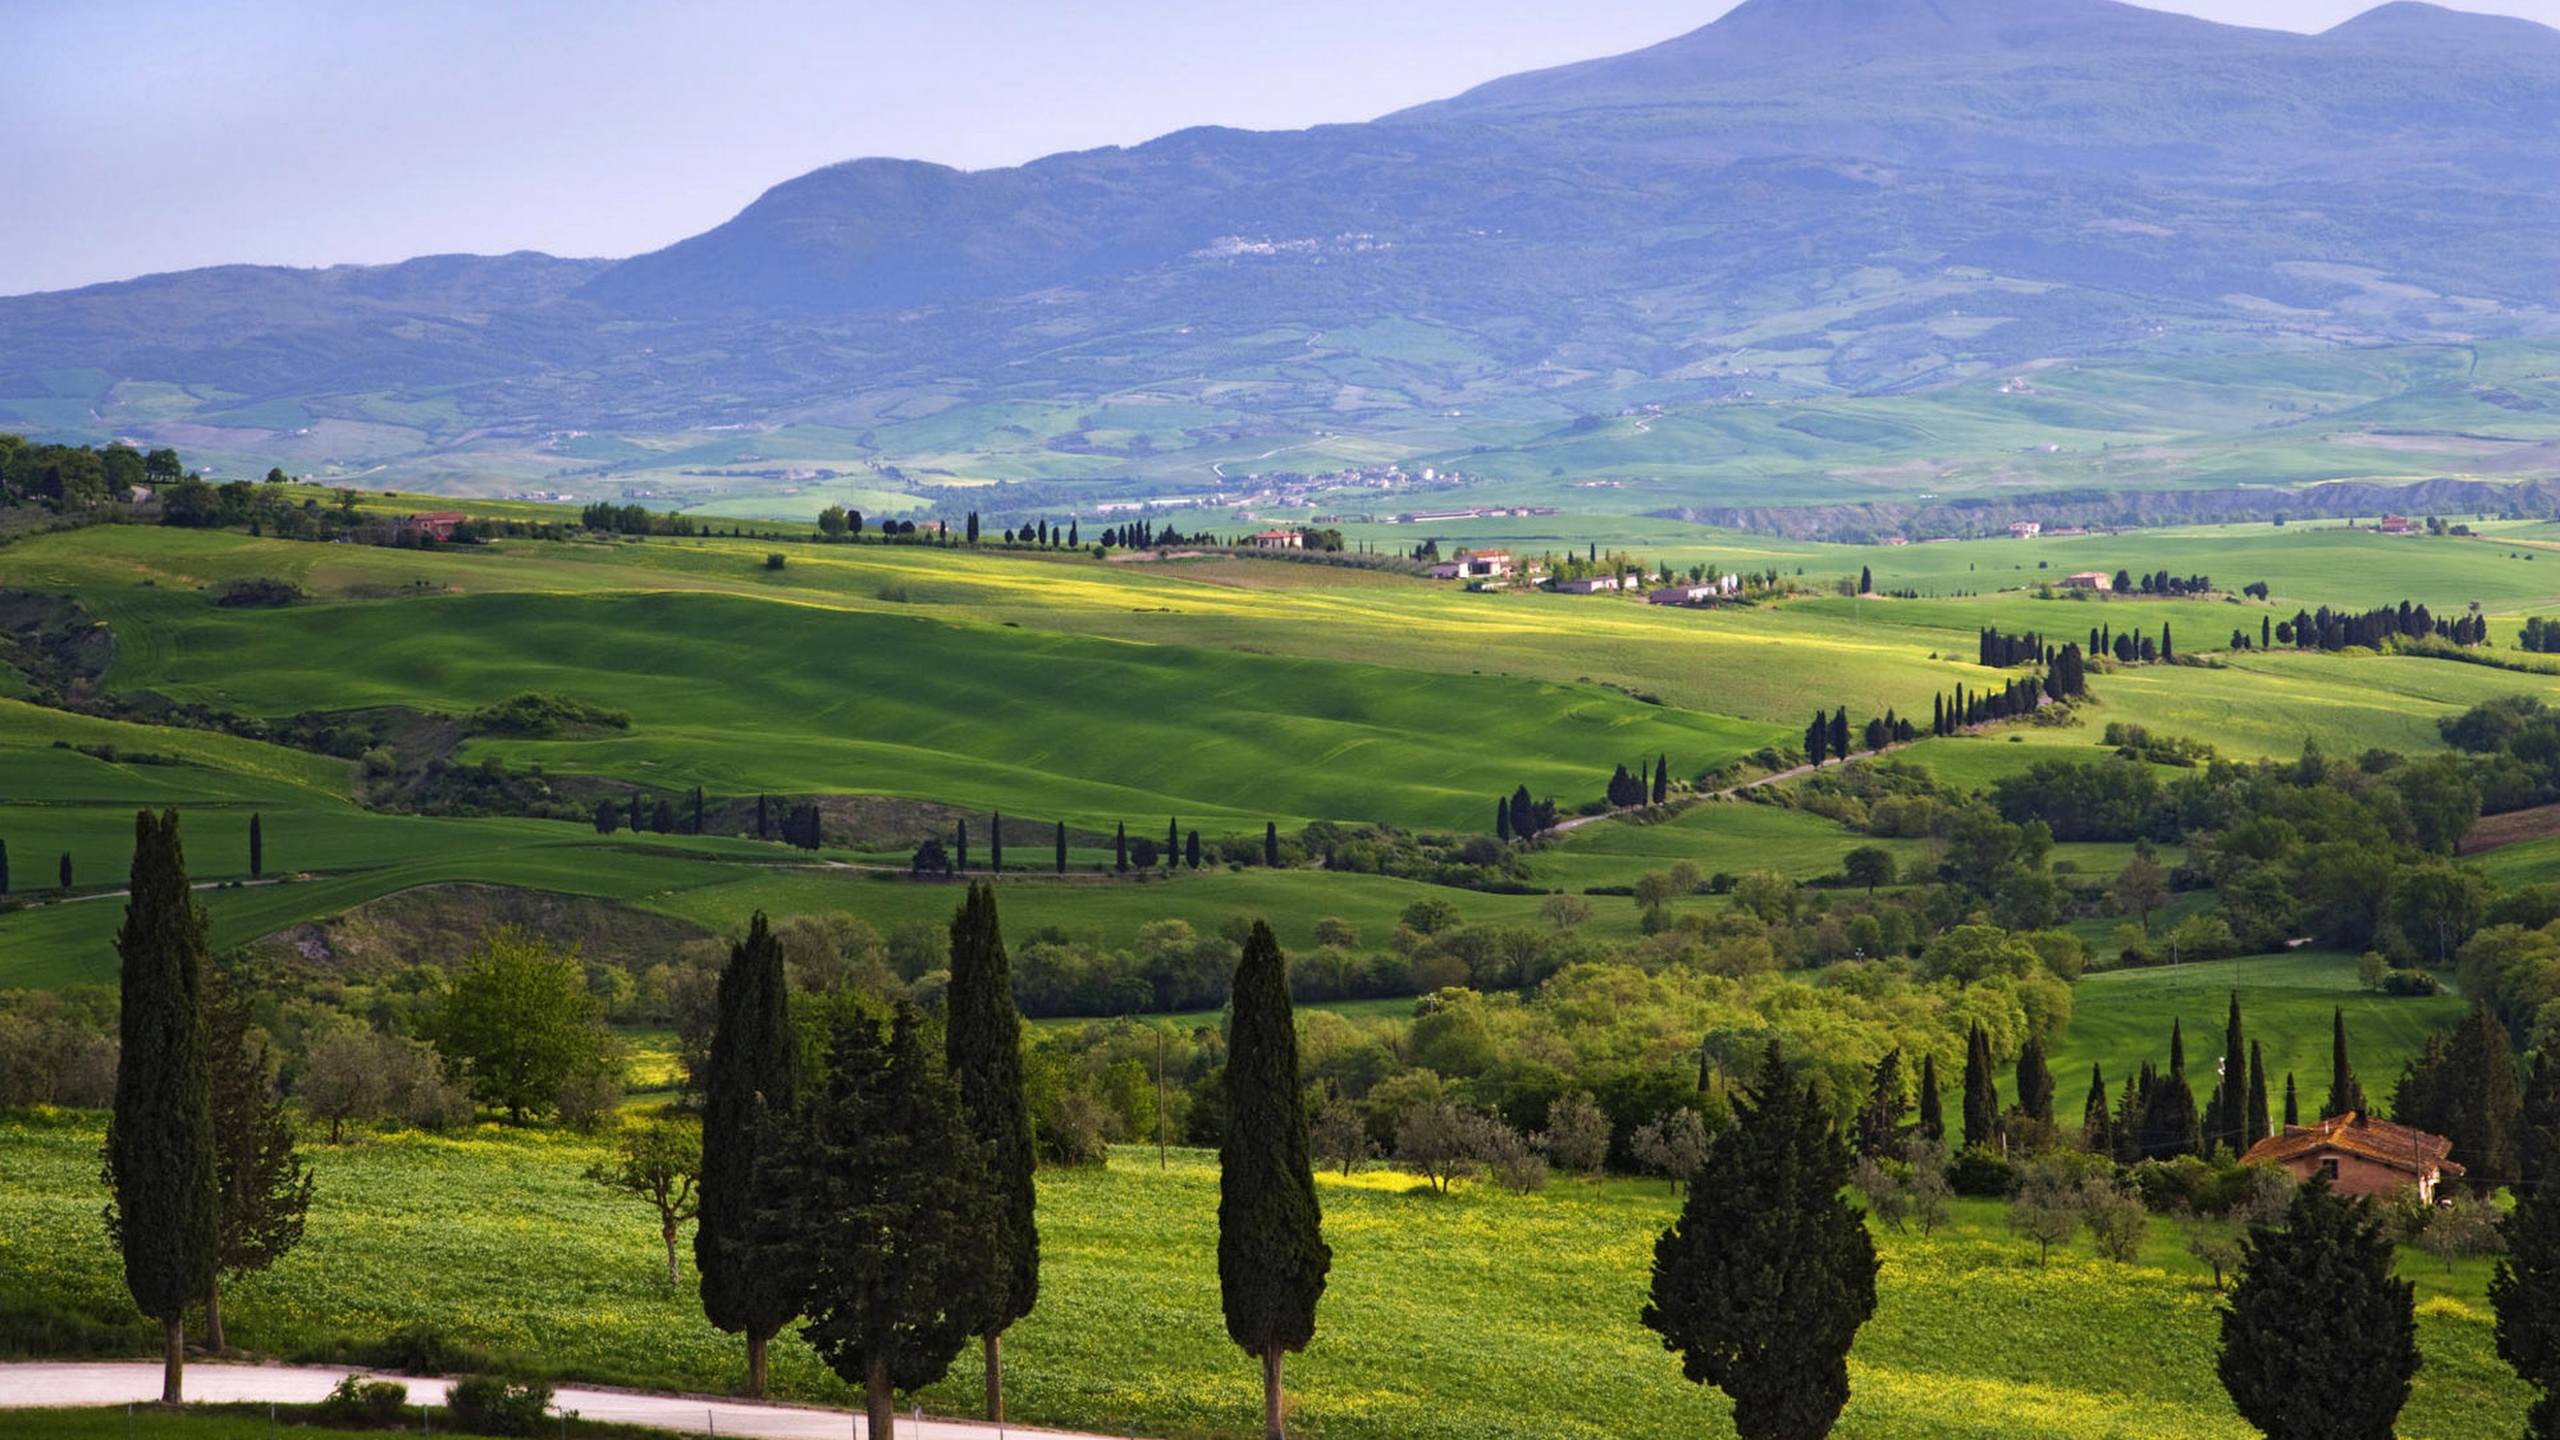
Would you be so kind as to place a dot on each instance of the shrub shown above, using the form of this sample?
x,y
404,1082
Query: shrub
x,y
493,1405
257,593
359,1403
415,1349
535,714
1979,1174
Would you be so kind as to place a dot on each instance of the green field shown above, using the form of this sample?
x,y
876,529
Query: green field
x,y
1479,1314
1224,692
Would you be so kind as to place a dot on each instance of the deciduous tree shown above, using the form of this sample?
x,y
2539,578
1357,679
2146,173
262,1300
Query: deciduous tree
x,y
659,1164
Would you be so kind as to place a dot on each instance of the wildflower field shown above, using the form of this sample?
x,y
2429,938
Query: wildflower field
x,y
1478,1314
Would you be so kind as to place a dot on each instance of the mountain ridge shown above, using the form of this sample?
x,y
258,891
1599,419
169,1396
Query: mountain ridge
x,y
1995,181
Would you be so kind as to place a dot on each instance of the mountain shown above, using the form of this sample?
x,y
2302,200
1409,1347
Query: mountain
x,y
1829,195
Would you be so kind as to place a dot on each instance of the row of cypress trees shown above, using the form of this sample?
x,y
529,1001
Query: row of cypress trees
x,y
893,1210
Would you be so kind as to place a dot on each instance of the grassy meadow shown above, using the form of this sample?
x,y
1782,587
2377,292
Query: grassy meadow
x,y
1476,1314
1225,692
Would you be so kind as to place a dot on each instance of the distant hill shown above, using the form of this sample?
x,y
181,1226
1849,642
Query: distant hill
x,y
1841,195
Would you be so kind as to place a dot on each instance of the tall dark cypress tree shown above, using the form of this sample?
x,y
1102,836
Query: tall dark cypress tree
x,y
2255,1127
63,871
1271,843
1981,1091
2345,1094
1272,1259
1817,739
1880,1119
995,843
1501,821
1762,1283
1191,849
1866,580
257,846
161,1207
1062,847
1840,732
2316,1298
764,817
748,1092
1661,779
2097,1119
2169,1126
2231,1088
1172,841
983,1043
2292,1104
1933,1115
960,845
1120,842
2035,1082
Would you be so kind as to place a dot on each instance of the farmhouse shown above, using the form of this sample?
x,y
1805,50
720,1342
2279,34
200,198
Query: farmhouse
x,y
1591,586
438,523
1681,595
2025,529
2394,525
2089,580
2360,1155
1279,540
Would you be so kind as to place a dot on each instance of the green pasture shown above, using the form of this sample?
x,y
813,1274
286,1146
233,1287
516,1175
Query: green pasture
x,y
1444,1316
2121,1018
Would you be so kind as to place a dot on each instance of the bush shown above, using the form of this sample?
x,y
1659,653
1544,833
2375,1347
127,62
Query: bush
x,y
359,1403
1981,1175
257,593
414,1350
536,715
2411,982
493,1405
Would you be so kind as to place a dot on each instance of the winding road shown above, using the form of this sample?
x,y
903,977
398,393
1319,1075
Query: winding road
x,y
124,1383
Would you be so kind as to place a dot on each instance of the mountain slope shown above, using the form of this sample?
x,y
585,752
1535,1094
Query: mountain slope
x,y
1837,194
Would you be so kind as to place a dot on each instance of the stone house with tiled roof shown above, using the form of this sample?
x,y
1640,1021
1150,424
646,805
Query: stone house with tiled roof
x,y
2361,1156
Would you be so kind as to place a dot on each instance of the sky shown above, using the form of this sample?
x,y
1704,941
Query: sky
x,y
148,135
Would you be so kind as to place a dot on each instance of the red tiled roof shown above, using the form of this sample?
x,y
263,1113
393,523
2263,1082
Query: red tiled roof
x,y
2401,1147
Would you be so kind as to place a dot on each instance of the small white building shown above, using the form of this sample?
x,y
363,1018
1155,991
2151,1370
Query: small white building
x,y
1591,585
2025,529
1682,595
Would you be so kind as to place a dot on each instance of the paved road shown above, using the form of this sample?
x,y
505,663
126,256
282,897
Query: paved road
x,y
119,1383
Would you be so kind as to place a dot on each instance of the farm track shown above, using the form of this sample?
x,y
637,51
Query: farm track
x,y
28,1385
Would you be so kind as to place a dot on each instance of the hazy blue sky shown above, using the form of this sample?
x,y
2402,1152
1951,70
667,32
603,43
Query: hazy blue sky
x,y
141,135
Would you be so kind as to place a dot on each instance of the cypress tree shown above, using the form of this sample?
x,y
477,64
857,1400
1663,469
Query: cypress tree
x,y
960,845
161,1210
261,1188
1933,1119
1172,841
884,1211
1817,739
1880,1121
257,847
637,822
2231,1088
764,821
2169,1106
2525,1294
2292,1105
1866,581
1524,823
983,1043
2538,1126
2035,1082
995,843
2319,1341
4,867
1501,823
1120,860
2166,653
1272,1258
748,1092
1661,779
1981,1092
2345,1095
1062,847
1840,732
1762,1283
2255,1115
1271,843
2097,1120
1191,849
63,870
